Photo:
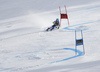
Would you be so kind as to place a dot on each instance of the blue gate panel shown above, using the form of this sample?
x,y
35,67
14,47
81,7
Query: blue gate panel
x,y
79,42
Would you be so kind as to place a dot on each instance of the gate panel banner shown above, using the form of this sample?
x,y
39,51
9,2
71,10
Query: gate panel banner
x,y
79,42
64,16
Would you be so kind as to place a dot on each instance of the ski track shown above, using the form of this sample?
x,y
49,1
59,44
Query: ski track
x,y
80,53
42,38
71,27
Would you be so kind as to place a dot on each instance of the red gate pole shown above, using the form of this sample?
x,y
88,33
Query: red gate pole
x,y
67,16
60,15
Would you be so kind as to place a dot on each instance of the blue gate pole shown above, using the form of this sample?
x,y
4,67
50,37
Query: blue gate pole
x,y
83,42
75,44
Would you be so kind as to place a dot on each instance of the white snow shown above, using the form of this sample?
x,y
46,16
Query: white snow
x,y
25,47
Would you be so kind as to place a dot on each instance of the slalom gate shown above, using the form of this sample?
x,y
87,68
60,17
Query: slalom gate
x,y
79,42
63,15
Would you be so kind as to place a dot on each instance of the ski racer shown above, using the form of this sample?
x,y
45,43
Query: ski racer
x,y
55,25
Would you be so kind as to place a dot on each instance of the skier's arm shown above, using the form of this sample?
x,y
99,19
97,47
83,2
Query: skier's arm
x,y
54,22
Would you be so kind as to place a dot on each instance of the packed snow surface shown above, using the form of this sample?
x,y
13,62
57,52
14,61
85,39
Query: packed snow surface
x,y
25,46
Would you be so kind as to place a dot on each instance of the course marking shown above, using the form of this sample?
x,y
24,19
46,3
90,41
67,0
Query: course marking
x,y
80,53
69,28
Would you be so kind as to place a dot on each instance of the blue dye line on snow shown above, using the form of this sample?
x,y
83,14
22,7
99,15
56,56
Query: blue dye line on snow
x,y
80,53
2,69
93,7
75,29
68,28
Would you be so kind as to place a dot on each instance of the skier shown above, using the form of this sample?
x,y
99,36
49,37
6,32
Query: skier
x,y
55,25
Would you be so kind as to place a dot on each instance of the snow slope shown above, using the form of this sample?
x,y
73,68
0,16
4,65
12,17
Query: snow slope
x,y
25,47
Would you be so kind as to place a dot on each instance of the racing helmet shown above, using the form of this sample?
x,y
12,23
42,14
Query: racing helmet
x,y
57,19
